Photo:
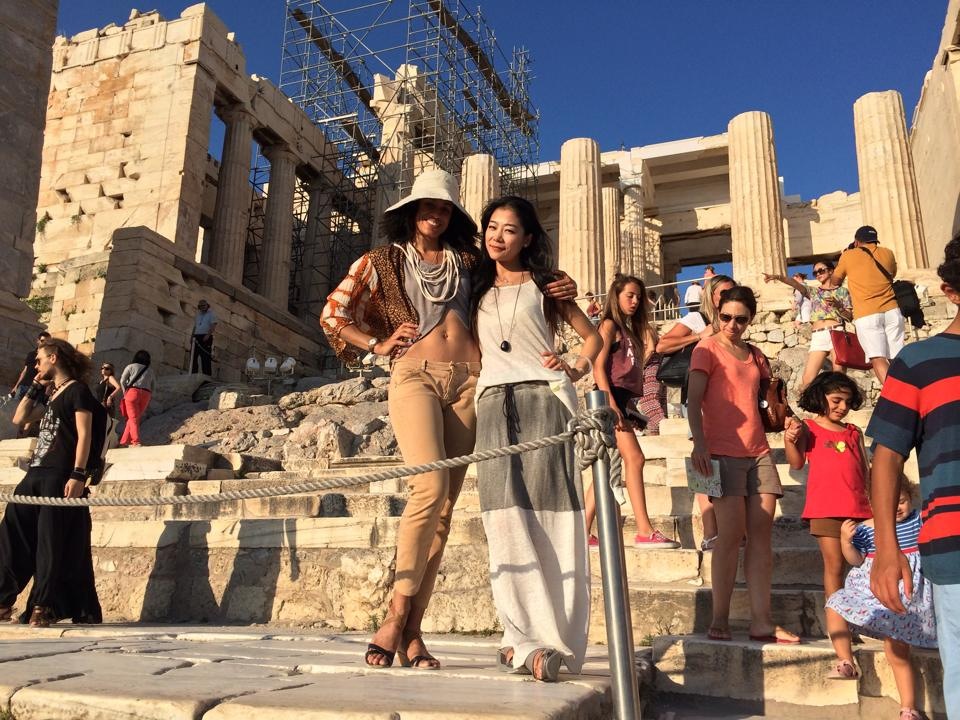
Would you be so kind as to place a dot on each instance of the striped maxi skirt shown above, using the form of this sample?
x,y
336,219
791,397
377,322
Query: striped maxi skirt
x,y
532,510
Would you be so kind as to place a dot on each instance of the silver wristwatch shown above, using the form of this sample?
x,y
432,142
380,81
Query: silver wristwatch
x,y
372,343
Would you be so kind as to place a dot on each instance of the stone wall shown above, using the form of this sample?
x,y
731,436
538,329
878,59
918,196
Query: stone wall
x,y
25,39
141,294
933,141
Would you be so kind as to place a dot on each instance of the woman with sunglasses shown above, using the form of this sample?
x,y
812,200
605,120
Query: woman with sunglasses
x,y
728,437
830,307
108,389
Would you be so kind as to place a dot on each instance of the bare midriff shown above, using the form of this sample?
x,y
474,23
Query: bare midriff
x,y
449,341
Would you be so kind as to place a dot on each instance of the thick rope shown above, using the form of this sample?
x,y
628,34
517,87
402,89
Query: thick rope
x,y
590,430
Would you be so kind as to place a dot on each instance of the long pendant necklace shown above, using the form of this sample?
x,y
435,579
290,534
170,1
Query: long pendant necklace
x,y
505,345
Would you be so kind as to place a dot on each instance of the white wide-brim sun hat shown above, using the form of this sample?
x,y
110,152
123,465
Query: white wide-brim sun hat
x,y
435,185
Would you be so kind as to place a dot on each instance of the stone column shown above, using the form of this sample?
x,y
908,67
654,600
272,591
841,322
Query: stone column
x,y
315,276
632,259
613,263
231,215
479,183
278,226
756,220
888,185
651,254
581,223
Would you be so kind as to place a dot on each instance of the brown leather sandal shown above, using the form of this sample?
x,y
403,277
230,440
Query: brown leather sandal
x,y
41,617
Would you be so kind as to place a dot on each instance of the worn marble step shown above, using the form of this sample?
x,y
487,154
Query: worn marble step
x,y
230,673
791,566
685,608
783,677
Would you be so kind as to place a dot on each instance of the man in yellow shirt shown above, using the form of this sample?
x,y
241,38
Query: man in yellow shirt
x,y
876,316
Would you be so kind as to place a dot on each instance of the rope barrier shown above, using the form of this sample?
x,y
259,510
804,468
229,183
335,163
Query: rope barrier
x,y
591,431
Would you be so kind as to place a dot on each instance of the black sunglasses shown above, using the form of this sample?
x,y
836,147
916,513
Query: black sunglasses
x,y
738,319
821,271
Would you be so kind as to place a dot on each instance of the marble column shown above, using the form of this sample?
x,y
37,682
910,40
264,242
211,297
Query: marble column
x,y
278,226
632,260
651,257
231,214
756,219
613,263
479,183
888,185
581,222
315,275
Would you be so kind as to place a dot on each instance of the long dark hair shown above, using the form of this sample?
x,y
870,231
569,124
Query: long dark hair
x,y
73,362
399,225
536,258
635,327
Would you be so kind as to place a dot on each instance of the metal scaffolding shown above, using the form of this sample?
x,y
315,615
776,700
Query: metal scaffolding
x,y
396,86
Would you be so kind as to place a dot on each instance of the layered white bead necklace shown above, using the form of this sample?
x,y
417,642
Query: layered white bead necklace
x,y
445,275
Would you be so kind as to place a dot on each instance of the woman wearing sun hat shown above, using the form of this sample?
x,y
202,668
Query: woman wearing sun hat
x,y
409,300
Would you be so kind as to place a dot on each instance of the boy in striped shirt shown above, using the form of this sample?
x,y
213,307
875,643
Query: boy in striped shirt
x,y
919,407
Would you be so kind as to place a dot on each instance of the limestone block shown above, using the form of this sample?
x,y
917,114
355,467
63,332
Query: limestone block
x,y
186,453
98,204
87,191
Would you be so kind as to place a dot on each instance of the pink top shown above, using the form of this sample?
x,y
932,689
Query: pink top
x,y
731,414
836,486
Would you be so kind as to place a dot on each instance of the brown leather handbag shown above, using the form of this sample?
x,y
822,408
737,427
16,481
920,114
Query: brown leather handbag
x,y
772,397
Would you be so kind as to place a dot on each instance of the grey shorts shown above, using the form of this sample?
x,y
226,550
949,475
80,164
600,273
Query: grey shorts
x,y
741,477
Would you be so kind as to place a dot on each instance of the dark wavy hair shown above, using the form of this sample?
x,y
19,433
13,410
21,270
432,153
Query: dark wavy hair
x,y
73,362
399,226
142,357
949,269
740,294
814,398
536,258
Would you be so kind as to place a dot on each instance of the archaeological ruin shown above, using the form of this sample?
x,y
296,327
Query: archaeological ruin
x,y
153,170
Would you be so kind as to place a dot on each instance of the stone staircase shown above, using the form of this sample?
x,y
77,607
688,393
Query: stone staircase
x,y
324,560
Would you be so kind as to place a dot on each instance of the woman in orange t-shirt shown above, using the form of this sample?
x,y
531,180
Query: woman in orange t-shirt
x,y
724,415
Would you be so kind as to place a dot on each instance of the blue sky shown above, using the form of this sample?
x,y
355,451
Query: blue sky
x,y
635,72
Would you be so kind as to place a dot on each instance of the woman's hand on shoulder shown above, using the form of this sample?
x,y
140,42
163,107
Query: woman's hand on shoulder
x,y
563,287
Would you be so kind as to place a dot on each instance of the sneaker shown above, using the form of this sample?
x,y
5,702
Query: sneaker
x,y
655,541
593,542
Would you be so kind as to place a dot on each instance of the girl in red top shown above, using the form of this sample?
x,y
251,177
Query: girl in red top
x,y
836,486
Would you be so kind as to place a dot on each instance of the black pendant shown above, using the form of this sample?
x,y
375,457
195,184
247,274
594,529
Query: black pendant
x,y
505,346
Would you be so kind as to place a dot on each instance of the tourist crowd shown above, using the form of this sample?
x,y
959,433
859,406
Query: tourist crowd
x,y
471,337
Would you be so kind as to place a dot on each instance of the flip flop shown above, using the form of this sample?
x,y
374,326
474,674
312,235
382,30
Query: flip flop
x,y
774,639
718,634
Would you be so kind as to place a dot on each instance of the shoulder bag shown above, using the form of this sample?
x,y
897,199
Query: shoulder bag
x,y
772,397
905,293
675,367
847,351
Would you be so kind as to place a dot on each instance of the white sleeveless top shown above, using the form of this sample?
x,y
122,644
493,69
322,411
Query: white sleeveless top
x,y
529,337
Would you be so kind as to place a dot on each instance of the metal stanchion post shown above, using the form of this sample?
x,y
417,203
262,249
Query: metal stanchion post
x,y
616,605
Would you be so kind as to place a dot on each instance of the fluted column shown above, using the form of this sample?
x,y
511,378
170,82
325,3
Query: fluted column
x,y
479,183
278,226
888,185
756,219
581,223
612,262
632,259
231,215
315,274
652,254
